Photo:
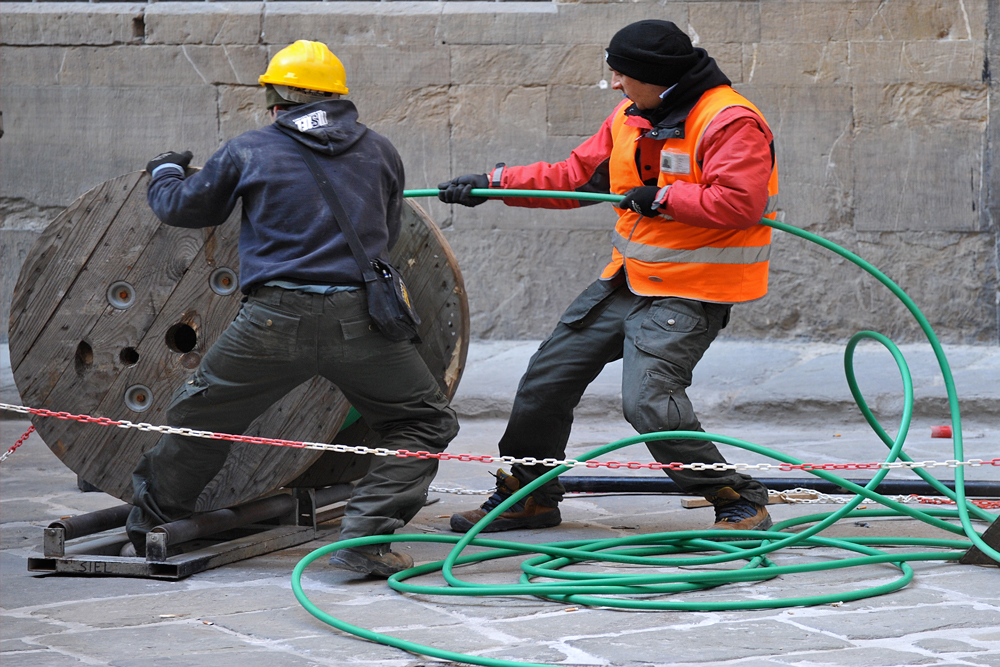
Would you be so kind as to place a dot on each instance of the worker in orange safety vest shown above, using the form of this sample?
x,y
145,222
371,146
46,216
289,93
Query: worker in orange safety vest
x,y
694,162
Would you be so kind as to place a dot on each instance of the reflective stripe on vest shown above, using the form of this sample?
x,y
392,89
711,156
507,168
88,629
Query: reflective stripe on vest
x,y
668,258
652,253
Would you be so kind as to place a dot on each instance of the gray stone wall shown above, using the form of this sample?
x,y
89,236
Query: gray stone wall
x,y
885,113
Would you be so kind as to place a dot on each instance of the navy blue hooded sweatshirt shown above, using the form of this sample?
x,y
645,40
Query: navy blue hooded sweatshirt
x,y
288,231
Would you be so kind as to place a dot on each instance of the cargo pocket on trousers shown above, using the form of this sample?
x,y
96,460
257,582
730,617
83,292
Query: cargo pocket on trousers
x,y
662,405
671,327
591,303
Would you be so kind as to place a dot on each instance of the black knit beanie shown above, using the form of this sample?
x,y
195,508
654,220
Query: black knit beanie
x,y
656,52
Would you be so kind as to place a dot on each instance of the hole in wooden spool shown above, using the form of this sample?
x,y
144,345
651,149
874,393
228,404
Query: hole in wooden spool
x,y
181,338
129,356
84,358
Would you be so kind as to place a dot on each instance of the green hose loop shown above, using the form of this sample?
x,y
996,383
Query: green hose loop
x,y
551,562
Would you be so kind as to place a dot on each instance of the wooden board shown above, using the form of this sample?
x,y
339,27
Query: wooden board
x,y
73,350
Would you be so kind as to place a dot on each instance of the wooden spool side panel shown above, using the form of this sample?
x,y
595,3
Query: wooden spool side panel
x,y
56,258
109,234
170,277
65,287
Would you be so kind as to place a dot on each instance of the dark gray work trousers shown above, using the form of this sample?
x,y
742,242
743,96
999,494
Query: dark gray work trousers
x,y
280,339
661,341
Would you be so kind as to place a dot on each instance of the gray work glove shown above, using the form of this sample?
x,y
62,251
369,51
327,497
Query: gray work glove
x,y
457,190
181,160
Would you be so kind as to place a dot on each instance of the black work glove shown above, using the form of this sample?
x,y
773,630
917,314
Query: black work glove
x,y
456,191
180,159
643,200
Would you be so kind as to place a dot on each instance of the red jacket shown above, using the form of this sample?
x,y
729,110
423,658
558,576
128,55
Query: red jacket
x,y
736,163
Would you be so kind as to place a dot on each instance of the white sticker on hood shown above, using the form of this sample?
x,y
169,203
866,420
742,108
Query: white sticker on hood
x,y
311,120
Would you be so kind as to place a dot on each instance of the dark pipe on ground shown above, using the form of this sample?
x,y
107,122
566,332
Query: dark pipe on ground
x,y
665,485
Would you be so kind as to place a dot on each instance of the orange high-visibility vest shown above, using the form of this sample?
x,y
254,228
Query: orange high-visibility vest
x,y
663,257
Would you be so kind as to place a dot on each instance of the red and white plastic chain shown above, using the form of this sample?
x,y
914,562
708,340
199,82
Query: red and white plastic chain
x,y
20,441
505,460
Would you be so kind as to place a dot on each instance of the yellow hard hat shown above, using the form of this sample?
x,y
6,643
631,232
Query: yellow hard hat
x,y
308,65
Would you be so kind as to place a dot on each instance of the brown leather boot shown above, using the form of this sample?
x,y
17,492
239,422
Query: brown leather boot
x,y
374,560
732,512
524,514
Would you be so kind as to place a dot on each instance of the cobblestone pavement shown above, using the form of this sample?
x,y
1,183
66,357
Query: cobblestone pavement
x,y
245,612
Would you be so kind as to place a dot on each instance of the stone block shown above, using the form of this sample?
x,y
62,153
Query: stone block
x,y
340,24
137,66
60,141
723,23
796,63
503,270
544,23
579,110
209,23
918,157
36,65
871,20
42,24
925,62
416,121
14,247
908,20
241,108
813,141
729,57
392,66
951,276
515,65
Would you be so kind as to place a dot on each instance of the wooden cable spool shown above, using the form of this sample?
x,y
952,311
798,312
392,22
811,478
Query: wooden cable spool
x,y
113,310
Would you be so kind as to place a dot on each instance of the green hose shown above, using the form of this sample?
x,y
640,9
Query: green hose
x,y
751,549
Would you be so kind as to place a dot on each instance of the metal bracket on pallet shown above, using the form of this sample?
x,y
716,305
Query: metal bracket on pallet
x,y
179,549
975,556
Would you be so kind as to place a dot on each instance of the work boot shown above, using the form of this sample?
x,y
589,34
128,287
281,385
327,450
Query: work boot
x,y
524,514
375,560
733,512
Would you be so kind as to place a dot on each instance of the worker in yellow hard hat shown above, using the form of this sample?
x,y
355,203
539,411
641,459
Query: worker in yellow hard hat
x,y
307,252
302,73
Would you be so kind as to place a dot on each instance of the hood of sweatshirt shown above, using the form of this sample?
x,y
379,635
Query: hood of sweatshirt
x,y
330,126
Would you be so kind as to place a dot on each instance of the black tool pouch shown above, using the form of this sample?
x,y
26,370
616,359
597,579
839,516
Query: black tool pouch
x,y
389,304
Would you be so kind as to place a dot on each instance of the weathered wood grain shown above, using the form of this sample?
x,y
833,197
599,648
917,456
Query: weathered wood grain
x,y
75,352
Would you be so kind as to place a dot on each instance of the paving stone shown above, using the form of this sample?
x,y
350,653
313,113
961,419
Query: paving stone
x,y
151,642
700,643
870,657
13,626
865,626
40,658
224,658
207,604
938,645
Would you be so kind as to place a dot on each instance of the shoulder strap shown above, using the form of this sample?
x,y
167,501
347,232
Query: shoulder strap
x,y
339,214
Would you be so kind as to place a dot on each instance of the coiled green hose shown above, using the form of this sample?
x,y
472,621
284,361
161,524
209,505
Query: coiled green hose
x,y
676,549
